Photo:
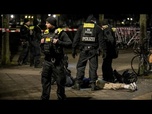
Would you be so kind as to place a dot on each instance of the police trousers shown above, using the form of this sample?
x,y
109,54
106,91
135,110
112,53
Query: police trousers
x,y
107,70
84,57
23,57
57,69
35,53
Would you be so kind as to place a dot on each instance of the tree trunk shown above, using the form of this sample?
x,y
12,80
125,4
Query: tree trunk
x,y
143,27
5,41
143,35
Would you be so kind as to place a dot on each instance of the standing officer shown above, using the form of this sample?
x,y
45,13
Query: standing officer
x,y
25,39
108,53
52,45
88,37
35,52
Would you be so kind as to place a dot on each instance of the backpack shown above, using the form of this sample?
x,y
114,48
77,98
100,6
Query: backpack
x,y
69,79
129,77
126,77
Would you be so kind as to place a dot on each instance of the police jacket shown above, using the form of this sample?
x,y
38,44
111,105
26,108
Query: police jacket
x,y
110,40
95,40
37,33
57,50
25,32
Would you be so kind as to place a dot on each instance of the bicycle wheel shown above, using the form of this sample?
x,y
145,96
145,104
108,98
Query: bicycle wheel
x,y
140,65
135,62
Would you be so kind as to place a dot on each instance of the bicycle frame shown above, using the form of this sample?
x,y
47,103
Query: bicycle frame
x,y
134,40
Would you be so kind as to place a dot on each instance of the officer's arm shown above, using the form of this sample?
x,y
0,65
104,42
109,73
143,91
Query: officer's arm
x,y
38,33
102,43
42,45
24,33
66,41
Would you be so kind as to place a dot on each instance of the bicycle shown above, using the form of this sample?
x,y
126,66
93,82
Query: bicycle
x,y
134,41
140,62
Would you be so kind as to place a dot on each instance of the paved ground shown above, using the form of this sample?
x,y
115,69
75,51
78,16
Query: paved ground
x,y
23,83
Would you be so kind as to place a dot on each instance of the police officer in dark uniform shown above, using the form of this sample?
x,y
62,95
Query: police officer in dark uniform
x,y
35,51
89,40
25,39
108,52
52,45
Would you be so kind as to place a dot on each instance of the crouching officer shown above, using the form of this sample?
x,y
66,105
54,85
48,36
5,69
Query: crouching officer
x,y
52,45
88,37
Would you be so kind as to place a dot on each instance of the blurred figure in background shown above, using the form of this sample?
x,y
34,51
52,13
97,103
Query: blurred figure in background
x,y
25,36
35,51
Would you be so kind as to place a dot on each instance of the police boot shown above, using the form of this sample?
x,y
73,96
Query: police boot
x,y
31,63
19,62
100,83
61,97
37,64
76,86
94,87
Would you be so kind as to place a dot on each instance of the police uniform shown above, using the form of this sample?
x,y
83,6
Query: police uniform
x,y
35,52
89,40
108,35
53,61
25,39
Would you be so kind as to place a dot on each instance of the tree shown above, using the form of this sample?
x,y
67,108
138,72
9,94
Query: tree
x,y
143,27
5,41
143,34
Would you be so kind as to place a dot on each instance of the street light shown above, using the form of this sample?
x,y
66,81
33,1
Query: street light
x,y
12,16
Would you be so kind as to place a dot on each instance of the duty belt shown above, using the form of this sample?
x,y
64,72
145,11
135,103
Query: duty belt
x,y
88,47
53,60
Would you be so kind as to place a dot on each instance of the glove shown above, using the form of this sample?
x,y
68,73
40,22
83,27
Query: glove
x,y
74,53
104,54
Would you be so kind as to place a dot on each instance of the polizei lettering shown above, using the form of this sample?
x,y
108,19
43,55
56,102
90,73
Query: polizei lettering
x,y
90,39
88,31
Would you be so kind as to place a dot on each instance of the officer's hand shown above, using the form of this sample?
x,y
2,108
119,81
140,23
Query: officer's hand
x,y
55,41
74,53
42,40
31,32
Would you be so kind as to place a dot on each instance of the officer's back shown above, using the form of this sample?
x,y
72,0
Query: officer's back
x,y
89,31
24,30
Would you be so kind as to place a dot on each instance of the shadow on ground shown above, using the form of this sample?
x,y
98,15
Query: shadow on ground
x,y
79,98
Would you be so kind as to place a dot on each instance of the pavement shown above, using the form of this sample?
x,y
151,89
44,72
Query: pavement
x,y
24,82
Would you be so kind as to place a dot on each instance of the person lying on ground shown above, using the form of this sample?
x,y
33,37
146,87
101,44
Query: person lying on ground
x,y
115,86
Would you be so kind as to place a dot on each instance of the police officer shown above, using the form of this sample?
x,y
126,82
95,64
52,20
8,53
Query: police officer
x,y
88,38
52,45
35,53
25,39
108,52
